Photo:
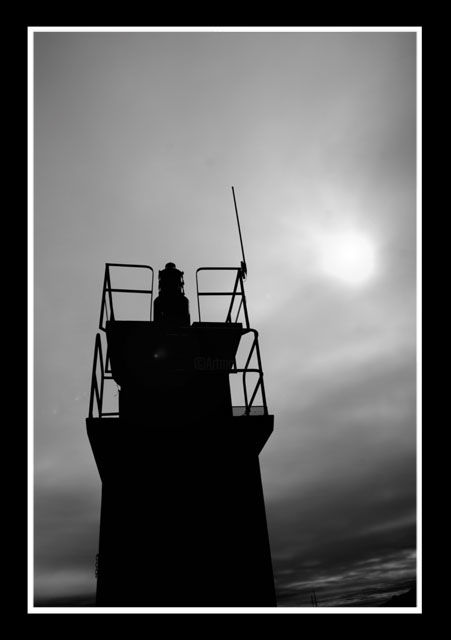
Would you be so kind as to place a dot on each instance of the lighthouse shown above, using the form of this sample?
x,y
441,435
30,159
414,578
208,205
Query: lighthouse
x,y
182,521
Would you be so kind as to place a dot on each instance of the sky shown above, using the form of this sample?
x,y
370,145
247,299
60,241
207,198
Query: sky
x,y
138,138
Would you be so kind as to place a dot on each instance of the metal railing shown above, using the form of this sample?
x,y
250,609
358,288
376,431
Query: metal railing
x,y
96,395
238,290
107,307
98,381
249,409
107,313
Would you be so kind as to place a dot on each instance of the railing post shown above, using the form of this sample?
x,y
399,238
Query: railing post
x,y
151,297
259,361
239,309
94,365
252,349
110,297
243,298
255,392
102,379
245,371
197,293
229,314
94,386
102,304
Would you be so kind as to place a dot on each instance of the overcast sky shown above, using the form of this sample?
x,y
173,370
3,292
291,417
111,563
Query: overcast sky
x,y
138,139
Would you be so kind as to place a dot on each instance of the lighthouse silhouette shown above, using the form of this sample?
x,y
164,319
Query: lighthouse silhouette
x,y
182,520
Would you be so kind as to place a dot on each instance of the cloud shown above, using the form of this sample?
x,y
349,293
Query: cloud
x,y
66,531
345,517
367,583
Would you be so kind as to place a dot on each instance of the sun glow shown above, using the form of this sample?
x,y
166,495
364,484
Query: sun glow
x,y
348,256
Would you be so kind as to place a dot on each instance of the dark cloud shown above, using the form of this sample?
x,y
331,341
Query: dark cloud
x,y
345,534
65,542
368,583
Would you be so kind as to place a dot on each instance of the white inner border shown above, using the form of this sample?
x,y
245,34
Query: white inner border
x,y
281,610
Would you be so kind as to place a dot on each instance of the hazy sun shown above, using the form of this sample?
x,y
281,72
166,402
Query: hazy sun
x,y
348,256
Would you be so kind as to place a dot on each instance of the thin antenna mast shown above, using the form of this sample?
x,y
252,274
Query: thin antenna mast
x,y
243,262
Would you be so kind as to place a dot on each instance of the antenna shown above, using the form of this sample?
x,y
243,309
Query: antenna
x,y
243,262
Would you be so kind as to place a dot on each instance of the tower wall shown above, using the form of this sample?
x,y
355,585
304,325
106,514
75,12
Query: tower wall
x,y
183,518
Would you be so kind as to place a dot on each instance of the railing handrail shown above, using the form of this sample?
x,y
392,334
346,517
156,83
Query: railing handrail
x,y
97,393
238,290
245,370
232,294
108,290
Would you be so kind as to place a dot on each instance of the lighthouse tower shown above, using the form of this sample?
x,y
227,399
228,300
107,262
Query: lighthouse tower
x,y
182,520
